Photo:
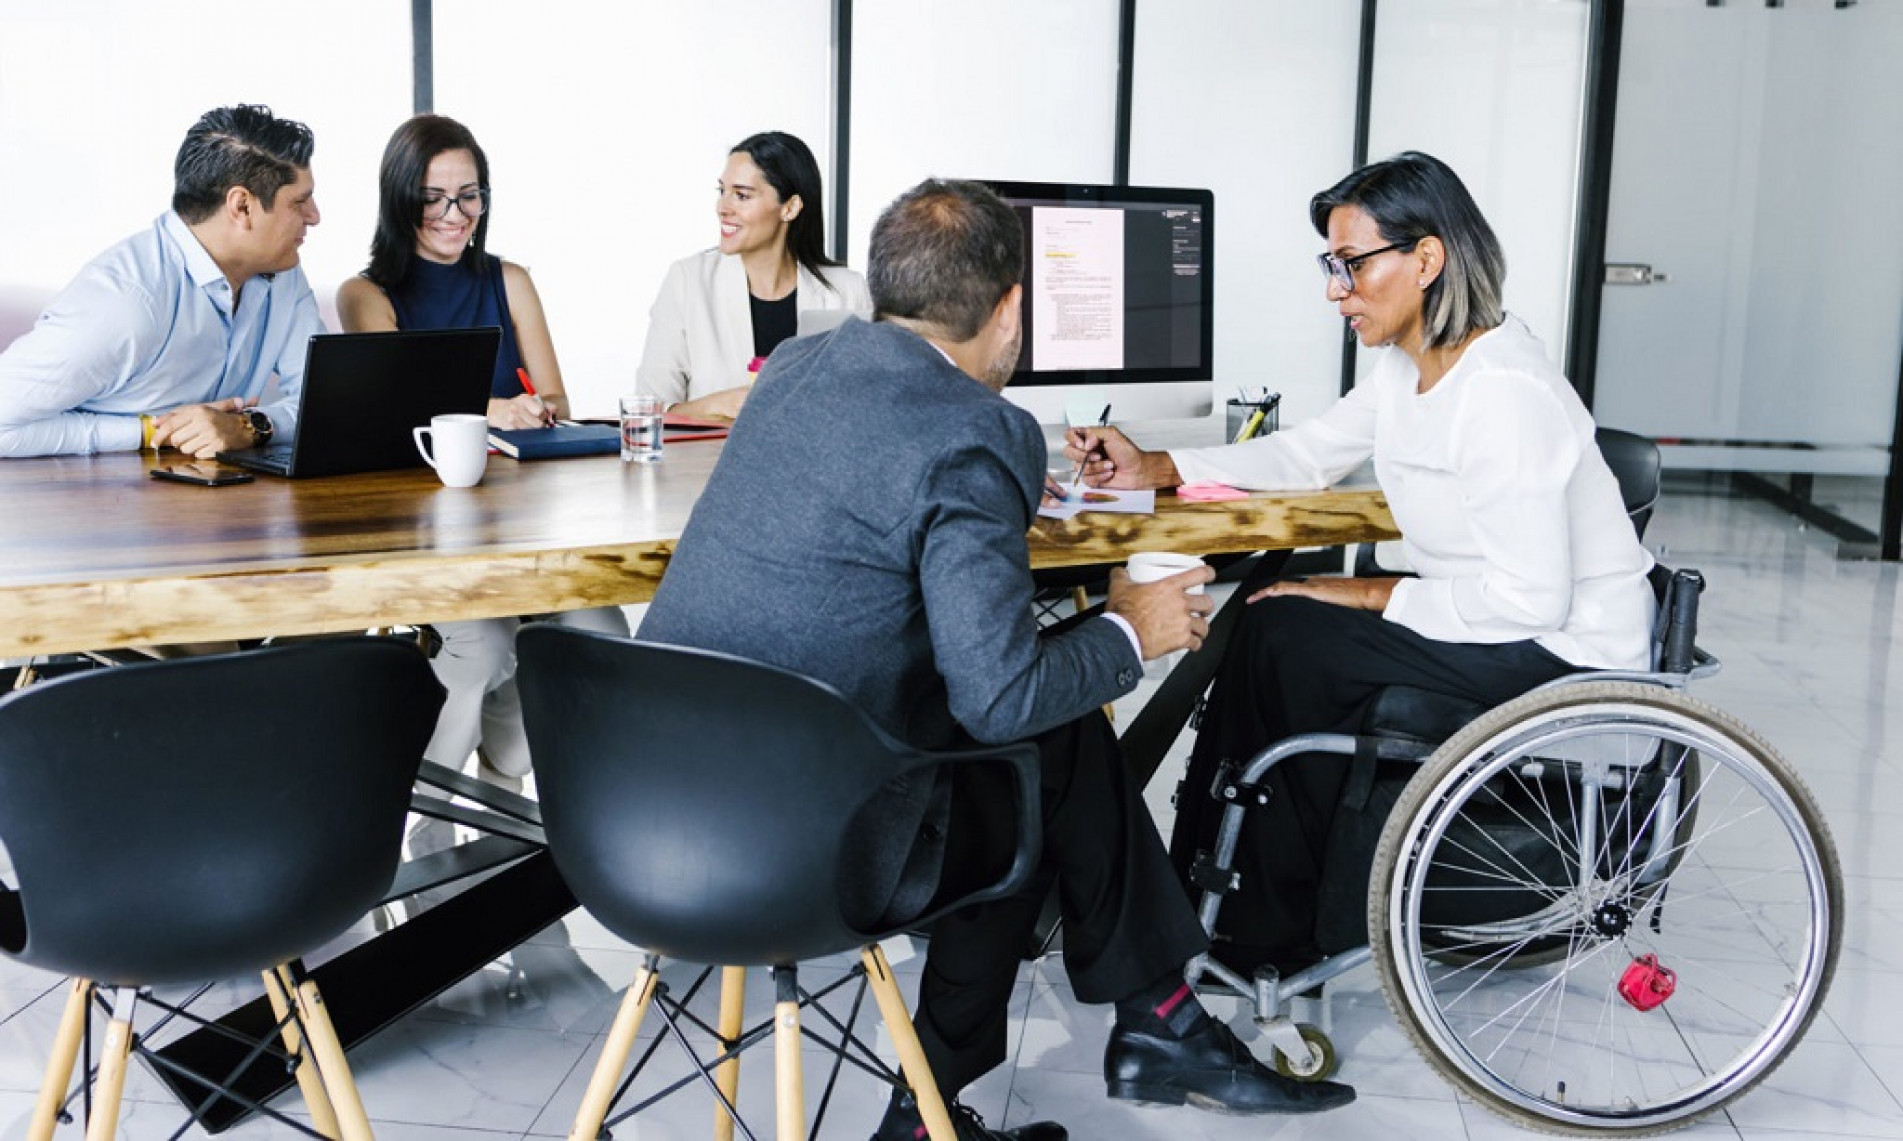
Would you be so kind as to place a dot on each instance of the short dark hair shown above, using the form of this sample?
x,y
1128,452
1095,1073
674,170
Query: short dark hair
x,y
790,168
406,159
244,146
944,253
1412,196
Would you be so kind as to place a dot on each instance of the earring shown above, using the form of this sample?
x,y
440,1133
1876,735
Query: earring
x,y
1422,283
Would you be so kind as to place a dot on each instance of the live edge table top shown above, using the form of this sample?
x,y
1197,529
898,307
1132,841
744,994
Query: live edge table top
x,y
96,555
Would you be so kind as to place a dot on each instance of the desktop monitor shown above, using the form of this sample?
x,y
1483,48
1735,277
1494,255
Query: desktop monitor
x,y
1118,300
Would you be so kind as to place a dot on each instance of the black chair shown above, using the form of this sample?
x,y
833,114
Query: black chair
x,y
191,820
719,811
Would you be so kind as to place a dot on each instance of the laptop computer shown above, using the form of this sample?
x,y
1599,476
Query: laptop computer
x,y
364,392
808,322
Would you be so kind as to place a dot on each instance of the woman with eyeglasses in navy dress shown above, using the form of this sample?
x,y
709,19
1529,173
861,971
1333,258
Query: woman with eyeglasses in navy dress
x,y
430,269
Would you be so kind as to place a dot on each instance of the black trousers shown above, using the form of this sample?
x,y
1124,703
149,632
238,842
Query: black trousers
x,y
1297,665
1127,922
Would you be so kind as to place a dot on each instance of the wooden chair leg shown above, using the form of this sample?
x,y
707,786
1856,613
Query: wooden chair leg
x,y
112,1067
789,1084
353,1124
614,1055
59,1067
278,987
733,1004
898,1022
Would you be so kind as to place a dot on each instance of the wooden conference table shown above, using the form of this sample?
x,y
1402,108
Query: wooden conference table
x,y
94,555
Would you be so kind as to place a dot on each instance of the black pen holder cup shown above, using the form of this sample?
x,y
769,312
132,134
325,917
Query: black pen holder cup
x,y
1237,414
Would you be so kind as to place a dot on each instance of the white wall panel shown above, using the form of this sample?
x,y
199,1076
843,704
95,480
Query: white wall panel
x,y
606,127
978,89
1495,89
1254,99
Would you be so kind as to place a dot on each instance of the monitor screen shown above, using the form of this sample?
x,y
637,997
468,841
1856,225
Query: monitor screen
x,y
1118,288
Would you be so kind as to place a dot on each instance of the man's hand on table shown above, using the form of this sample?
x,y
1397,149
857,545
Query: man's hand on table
x,y
203,430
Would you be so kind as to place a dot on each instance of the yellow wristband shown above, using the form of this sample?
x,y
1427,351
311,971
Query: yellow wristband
x,y
146,427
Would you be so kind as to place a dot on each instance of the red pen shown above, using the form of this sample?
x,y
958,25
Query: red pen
x,y
528,386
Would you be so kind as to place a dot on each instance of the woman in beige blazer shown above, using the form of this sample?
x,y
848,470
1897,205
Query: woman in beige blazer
x,y
721,310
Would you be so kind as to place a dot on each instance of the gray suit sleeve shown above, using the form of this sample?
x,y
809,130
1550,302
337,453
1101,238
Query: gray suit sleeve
x,y
1005,683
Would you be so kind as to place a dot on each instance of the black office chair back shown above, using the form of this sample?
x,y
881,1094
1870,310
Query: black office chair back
x,y
205,817
714,809
1635,463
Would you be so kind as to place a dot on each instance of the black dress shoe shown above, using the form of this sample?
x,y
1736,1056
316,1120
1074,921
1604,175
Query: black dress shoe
x,y
1209,1069
902,1123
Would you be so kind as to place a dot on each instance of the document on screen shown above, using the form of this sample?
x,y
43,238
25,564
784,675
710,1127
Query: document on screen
x,y
1076,288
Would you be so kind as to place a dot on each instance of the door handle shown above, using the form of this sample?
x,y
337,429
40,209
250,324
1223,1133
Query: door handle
x,y
1633,273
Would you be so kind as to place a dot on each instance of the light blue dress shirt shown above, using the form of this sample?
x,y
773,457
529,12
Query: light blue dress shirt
x,y
148,326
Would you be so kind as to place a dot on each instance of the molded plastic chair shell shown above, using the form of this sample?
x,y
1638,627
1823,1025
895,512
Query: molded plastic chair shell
x,y
201,818
709,808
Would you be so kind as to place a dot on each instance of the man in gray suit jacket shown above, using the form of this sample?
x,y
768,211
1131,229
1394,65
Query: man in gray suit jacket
x,y
866,526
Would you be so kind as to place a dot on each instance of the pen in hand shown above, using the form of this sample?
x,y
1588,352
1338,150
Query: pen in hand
x,y
528,386
1102,421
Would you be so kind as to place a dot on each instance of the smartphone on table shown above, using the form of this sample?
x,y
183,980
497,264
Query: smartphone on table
x,y
204,473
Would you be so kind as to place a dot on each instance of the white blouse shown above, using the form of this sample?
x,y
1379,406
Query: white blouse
x,y
700,331
1506,508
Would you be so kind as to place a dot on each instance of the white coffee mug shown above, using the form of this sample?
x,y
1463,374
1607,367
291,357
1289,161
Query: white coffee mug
x,y
1148,566
458,447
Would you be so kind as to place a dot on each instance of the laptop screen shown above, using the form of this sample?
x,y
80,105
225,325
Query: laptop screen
x,y
363,393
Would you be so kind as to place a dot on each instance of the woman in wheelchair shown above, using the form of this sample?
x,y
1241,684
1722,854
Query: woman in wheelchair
x,y
1524,565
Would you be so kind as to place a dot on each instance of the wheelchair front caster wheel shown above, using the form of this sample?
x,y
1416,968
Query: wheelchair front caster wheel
x,y
1321,1062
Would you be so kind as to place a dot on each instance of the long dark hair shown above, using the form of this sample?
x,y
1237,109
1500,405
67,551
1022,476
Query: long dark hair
x,y
1410,197
405,165
790,168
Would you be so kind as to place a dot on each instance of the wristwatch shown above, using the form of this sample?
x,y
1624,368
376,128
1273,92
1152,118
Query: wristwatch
x,y
260,425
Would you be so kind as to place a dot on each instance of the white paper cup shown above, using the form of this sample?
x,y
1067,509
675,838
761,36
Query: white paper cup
x,y
1149,566
457,447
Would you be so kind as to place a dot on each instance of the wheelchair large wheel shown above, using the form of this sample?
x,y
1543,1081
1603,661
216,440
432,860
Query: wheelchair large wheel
x,y
1598,1041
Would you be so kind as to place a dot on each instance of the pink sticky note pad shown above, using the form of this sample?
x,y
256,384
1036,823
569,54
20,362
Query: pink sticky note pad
x,y
1209,491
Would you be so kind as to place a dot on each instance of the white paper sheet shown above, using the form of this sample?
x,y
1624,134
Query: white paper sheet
x,y
1101,499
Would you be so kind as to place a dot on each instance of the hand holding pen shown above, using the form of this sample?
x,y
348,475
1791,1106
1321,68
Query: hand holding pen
x,y
1078,471
1106,458
547,416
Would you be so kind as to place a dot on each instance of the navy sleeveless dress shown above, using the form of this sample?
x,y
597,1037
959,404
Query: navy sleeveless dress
x,y
436,296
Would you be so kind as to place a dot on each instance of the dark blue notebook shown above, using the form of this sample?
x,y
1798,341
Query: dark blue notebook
x,y
560,440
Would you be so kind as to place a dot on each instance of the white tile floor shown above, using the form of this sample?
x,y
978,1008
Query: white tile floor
x,y
1813,652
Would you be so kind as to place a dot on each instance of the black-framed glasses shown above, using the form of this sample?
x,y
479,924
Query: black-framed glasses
x,y
1343,269
472,203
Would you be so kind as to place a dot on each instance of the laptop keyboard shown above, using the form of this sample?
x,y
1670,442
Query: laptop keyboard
x,y
274,458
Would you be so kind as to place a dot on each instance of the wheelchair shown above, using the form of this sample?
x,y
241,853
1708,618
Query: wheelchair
x,y
1604,908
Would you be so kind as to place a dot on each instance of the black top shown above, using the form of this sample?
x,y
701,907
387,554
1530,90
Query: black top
x,y
773,322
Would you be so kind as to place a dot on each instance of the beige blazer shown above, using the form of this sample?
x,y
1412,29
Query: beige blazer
x,y
700,331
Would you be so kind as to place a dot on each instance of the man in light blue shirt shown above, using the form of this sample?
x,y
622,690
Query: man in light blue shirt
x,y
170,338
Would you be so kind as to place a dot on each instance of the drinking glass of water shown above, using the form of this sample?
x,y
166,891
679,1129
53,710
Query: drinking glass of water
x,y
641,417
